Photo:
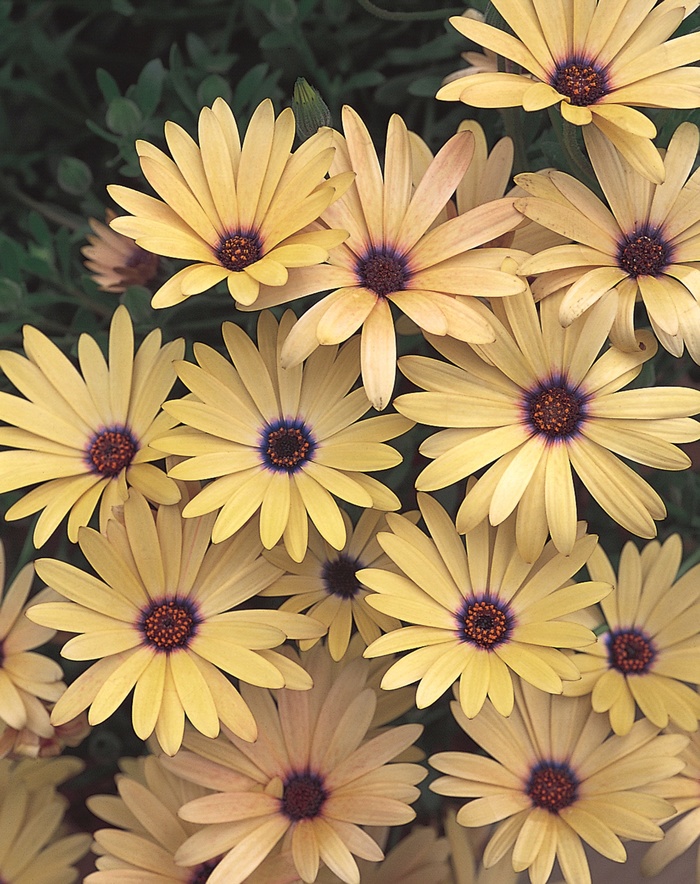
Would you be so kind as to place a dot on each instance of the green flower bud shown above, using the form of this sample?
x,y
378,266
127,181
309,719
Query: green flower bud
x,y
310,110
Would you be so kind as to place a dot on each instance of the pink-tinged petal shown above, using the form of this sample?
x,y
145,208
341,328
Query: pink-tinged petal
x,y
378,355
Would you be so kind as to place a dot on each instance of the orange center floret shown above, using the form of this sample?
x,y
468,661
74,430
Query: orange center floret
x,y
303,797
555,411
168,625
286,447
383,273
643,255
580,82
239,250
630,652
484,624
110,451
552,786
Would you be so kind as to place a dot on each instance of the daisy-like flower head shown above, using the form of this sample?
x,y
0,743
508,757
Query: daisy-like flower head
x,y
539,403
310,780
115,262
394,255
646,245
477,613
325,583
594,60
26,678
85,438
683,791
652,646
239,211
31,849
282,441
161,621
557,777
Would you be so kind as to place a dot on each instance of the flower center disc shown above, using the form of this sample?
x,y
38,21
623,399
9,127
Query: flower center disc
x,y
169,625
285,446
484,623
552,786
580,82
555,411
111,450
643,254
630,652
239,250
339,577
383,273
303,797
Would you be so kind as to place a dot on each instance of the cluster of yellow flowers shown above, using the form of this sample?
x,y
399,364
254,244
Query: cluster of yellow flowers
x,y
271,761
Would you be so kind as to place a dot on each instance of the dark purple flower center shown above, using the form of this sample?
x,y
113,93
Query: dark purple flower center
x,y
238,250
555,410
339,578
552,786
643,253
303,797
285,445
201,872
383,272
581,81
630,651
111,450
484,622
169,624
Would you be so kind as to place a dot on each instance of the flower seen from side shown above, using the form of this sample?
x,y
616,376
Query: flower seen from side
x,y
281,441
161,620
595,61
309,783
650,653
86,438
557,778
394,255
478,611
240,211
645,247
537,404
115,262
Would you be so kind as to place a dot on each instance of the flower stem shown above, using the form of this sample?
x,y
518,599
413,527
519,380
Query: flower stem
x,y
425,15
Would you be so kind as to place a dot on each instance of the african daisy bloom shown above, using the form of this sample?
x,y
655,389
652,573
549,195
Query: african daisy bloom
x,y
394,255
309,782
85,438
26,678
32,850
115,262
593,60
238,210
325,583
557,777
161,621
651,648
537,404
645,246
281,441
477,613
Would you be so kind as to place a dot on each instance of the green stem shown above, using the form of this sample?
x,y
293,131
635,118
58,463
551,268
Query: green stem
x,y
512,120
579,164
426,15
602,629
57,215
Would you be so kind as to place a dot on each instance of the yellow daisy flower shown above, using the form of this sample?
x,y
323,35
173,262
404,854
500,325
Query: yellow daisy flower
x,y
594,60
683,791
160,621
324,584
644,246
652,646
31,849
26,678
477,613
279,441
538,403
395,256
310,780
115,262
557,777
239,211
85,438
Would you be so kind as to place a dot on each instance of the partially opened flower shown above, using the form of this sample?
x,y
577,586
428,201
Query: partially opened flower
x,y
394,255
161,621
538,403
282,441
309,782
651,649
239,211
477,614
86,438
592,59
115,262
557,777
645,246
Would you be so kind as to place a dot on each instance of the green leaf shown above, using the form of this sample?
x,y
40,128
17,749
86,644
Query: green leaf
x,y
425,87
282,12
124,117
212,87
149,87
364,79
108,85
11,293
73,176
123,7
275,40
178,78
